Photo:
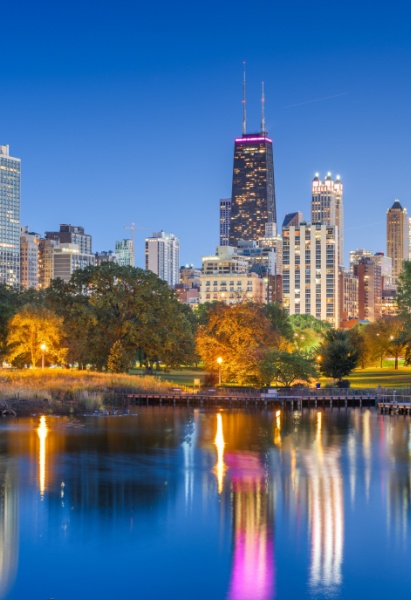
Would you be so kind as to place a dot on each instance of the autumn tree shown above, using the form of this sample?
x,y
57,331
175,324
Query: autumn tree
x,y
31,328
239,334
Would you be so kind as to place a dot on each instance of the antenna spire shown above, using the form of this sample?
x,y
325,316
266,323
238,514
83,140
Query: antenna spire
x,y
263,131
244,103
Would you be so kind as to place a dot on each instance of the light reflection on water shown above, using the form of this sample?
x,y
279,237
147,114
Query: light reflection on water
x,y
237,505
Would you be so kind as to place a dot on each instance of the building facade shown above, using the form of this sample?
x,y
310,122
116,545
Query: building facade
x,y
46,252
125,253
253,192
327,206
29,259
348,295
162,256
105,256
310,271
397,237
67,258
10,185
72,234
225,216
369,289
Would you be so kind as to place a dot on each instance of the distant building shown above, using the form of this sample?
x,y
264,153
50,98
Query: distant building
x,y
162,256
357,255
293,219
397,237
225,216
67,258
327,207
105,256
10,169
72,234
348,294
29,259
310,271
125,253
190,276
226,278
46,252
369,289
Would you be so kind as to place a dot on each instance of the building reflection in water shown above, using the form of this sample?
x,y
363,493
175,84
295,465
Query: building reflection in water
x,y
253,570
326,512
189,446
9,531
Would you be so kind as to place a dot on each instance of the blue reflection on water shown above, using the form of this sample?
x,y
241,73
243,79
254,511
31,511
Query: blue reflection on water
x,y
183,503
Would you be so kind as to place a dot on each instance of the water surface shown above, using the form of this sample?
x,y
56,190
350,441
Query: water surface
x,y
206,504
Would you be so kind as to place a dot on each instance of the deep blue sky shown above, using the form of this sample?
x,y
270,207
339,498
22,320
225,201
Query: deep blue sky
x,y
126,111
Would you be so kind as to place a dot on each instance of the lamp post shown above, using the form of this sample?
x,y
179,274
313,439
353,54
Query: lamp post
x,y
43,348
219,360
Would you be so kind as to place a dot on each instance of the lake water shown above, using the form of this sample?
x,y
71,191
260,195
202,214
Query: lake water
x,y
180,503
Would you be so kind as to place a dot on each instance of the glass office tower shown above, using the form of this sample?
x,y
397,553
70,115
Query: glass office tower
x,y
253,193
9,218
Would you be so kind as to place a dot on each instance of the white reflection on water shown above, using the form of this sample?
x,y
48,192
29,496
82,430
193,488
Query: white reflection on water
x,y
220,468
366,446
326,512
42,433
189,446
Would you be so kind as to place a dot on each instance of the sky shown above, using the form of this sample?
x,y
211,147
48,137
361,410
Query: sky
x,y
126,111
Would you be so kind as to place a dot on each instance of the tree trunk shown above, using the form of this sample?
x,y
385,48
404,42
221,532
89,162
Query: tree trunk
x,y
396,362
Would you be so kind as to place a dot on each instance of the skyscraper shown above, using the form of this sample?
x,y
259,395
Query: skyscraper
x,y
163,256
397,236
29,259
225,216
9,218
327,207
253,192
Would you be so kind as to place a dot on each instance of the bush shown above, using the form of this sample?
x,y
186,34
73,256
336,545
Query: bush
x,y
343,384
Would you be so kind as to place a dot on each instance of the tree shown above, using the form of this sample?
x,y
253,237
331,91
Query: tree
x,y
294,366
404,291
138,309
119,360
389,336
9,304
337,356
31,328
307,332
239,334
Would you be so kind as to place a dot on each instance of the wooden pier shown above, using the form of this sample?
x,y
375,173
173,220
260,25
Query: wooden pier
x,y
394,408
250,400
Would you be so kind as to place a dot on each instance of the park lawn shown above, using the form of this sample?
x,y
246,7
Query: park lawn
x,y
385,377
183,377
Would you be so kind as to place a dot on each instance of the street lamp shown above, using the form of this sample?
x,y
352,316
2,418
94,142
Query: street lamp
x,y
43,348
219,360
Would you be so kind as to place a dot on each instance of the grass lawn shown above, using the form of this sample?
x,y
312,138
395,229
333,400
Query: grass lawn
x,y
179,377
385,377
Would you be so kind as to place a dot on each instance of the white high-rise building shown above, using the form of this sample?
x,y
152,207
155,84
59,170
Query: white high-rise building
x,y
10,170
327,206
162,253
310,271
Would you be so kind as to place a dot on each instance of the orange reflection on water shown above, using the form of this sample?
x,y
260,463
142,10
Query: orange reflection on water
x,y
42,433
220,468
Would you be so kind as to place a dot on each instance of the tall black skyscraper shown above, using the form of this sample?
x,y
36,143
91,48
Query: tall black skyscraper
x,y
253,192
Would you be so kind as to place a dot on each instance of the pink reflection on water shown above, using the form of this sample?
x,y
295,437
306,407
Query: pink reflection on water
x,y
253,571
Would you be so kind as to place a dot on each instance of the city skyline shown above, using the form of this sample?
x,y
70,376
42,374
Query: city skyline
x,y
87,119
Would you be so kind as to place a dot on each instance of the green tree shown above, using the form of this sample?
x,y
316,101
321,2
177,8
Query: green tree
x,y
120,359
137,308
404,291
9,305
31,328
307,332
294,366
337,356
